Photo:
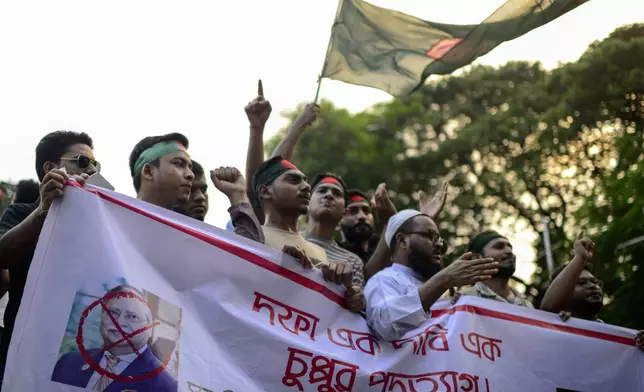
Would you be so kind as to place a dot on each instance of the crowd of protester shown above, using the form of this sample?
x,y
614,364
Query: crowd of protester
x,y
392,278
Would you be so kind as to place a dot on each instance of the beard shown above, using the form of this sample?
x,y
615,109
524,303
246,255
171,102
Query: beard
x,y
587,309
506,269
424,264
359,232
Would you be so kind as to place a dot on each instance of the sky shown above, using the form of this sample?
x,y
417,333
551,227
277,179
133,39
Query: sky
x,y
122,70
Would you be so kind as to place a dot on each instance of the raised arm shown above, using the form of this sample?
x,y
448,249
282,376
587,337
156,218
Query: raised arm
x,y
287,146
562,288
229,181
258,111
385,209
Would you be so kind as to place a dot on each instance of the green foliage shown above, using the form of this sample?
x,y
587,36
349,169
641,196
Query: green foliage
x,y
518,144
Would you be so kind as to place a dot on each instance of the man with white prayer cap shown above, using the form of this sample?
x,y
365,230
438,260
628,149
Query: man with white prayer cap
x,y
400,296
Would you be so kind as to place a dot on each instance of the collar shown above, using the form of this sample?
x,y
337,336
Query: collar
x,y
486,292
407,271
129,358
314,237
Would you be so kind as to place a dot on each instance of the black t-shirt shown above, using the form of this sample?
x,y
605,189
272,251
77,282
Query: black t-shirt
x,y
12,216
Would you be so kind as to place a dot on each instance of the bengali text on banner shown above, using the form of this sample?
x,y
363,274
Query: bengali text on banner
x,y
124,296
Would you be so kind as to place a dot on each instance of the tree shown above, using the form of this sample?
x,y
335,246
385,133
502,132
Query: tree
x,y
518,142
613,208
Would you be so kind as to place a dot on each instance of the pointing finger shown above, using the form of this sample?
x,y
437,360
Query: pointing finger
x,y
260,88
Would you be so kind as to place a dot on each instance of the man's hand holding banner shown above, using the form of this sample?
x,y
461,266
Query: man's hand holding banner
x,y
122,295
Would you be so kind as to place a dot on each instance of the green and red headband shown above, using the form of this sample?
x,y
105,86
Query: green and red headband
x,y
268,172
155,152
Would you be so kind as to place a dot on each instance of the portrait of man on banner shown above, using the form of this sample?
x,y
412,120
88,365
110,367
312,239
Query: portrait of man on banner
x,y
129,353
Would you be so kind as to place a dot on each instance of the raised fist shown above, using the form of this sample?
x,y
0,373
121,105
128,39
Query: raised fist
x,y
230,182
308,115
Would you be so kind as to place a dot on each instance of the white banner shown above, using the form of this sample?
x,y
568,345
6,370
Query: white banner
x,y
184,306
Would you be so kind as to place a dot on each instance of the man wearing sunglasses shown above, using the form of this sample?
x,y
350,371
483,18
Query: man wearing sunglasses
x,y
59,155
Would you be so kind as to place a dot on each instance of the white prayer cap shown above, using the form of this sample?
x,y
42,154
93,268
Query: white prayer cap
x,y
396,221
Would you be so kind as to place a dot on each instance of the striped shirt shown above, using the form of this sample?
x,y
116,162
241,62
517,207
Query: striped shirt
x,y
336,253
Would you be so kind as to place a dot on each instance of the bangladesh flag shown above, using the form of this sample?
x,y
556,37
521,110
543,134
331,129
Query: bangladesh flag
x,y
394,52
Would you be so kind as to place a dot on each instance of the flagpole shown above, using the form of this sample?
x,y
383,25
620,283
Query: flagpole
x,y
328,50
547,245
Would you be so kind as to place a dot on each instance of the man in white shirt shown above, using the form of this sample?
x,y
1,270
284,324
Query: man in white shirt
x,y
400,296
126,327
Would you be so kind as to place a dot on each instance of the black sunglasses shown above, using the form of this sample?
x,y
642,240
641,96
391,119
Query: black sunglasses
x,y
83,161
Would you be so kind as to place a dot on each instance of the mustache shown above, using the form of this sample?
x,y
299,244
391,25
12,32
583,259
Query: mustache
x,y
361,224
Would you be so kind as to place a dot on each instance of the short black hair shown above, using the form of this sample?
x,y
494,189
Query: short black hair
x,y
404,228
146,143
27,191
55,144
588,267
197,169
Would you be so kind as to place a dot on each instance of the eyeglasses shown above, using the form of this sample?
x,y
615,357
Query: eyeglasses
x,y
83,161
431,235
584,282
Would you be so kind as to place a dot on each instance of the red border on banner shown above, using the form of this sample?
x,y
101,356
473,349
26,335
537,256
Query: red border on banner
x,y
338,299
532,322
228,247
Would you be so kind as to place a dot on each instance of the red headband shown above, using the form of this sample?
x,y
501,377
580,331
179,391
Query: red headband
x,y
288,165
357,198
329,180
